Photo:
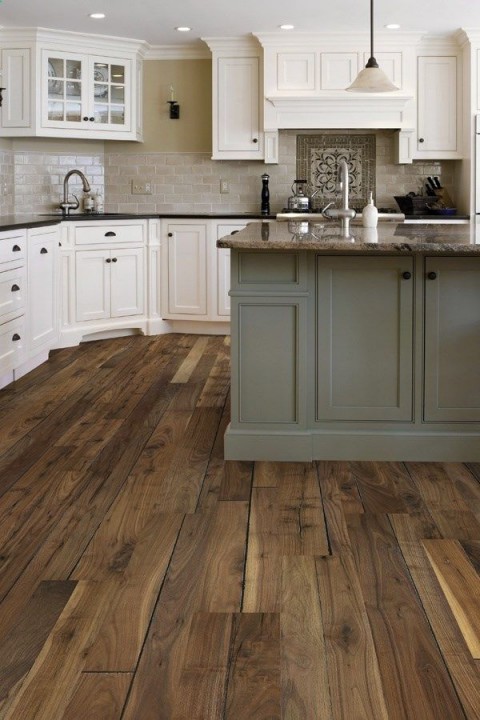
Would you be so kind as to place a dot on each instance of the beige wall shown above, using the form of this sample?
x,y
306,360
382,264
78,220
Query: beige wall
x,y
192,81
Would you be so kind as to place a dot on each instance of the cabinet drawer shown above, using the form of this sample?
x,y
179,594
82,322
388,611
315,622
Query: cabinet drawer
x,y
104,233
12,293
12,344
12,248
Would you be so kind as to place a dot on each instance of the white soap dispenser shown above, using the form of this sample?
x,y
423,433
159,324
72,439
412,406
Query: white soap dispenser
x,y
370,214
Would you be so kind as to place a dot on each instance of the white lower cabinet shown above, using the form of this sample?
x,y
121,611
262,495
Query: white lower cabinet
x,y
42,287
109,283
195,273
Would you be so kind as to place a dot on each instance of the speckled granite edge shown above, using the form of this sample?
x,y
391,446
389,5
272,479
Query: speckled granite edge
x,y
387,238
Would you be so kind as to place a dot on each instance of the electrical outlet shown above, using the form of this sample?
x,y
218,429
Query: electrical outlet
x,y
224,186
141,188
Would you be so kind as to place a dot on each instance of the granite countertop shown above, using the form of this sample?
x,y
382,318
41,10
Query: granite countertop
x,y
12,222
388,238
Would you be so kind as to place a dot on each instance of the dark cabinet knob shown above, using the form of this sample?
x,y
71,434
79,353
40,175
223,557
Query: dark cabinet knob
x,y
170,234
255,140
406,275
108,260
15,288
44,251
59,244
421,140
16,248
110,233
114,259
92,119
85,118
432,275
16,337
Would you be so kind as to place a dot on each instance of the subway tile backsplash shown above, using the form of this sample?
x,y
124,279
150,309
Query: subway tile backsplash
x,y
190,182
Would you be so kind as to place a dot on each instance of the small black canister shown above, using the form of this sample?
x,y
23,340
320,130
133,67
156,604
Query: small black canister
x,y
265,209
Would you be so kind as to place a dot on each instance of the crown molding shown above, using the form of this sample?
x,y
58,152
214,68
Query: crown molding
x,y
192,51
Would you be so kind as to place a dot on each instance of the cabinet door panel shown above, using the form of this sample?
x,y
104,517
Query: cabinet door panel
x,y
364,339
42,287
338,70
92,274
127,282
238,106
437,105
187,269
452,339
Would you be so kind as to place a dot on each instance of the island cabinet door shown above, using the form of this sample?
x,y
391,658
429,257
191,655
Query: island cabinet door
x,y
364,347
452,339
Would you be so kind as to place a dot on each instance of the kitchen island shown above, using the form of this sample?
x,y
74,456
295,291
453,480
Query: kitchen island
x,y
364,347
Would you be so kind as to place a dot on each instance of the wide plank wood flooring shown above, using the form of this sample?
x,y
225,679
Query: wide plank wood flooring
x,y
142,577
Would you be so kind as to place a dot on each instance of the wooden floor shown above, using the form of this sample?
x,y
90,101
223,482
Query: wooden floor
x,y
143,578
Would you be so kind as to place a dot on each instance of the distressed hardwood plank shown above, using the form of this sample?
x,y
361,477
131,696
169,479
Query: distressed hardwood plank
x,y
49,686
465,675
414,677
305,691
266,474
263,568
377,487
205,574
98,695
187,367
435,487
332,476
201,689
352,664
19,649
472,548
461,586
134,556
456,524
218,382
301,521
254,677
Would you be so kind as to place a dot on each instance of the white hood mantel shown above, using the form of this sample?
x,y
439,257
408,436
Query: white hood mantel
x,y
340,110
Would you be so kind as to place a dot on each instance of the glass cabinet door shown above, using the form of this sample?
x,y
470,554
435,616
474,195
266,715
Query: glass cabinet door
x,y
65,88
109,93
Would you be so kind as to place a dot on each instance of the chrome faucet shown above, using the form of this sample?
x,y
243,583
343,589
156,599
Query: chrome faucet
x,y
344,213
66,205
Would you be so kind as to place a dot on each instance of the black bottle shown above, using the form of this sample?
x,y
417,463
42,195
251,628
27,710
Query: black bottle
x,y
265,210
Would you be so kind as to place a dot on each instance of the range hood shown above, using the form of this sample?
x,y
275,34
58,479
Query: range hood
x,y
338,110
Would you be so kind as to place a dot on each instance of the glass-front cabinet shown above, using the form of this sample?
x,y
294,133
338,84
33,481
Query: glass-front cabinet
x,y
82,92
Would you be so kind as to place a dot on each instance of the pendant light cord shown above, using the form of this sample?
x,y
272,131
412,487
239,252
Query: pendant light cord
x,y
372,63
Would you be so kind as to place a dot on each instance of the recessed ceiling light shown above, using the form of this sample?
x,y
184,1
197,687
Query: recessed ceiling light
x,y
97,16
183,29
393,26
287,27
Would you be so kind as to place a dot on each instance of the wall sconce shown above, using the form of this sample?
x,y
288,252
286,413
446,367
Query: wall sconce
x,y
174,106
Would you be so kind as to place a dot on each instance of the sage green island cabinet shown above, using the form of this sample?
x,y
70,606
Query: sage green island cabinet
x,y
344,349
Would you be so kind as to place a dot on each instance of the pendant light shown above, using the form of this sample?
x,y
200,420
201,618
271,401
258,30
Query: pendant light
x,y
371,78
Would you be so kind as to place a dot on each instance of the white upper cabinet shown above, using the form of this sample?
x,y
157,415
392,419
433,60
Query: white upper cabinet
x,y
237,114
92,92
437,107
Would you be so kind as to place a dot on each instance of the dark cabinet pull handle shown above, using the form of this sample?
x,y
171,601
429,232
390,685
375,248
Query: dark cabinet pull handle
x,y
16,248
255,140
16,337
170,234
432,275
15,288
406,275
234,232
44,251
108,260
420,140
59,244
110,233
114,259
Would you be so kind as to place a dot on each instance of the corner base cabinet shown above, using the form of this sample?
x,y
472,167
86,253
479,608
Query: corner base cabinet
x,y
349,357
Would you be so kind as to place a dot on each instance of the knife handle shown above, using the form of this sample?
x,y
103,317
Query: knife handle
x,y
437,182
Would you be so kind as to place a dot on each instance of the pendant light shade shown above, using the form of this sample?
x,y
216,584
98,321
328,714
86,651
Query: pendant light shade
x,y
372,78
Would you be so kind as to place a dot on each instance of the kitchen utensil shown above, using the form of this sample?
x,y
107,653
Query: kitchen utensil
x,y
431,183
299,201
437,182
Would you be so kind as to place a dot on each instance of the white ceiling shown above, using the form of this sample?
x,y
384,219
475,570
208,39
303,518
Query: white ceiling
x,y
155,20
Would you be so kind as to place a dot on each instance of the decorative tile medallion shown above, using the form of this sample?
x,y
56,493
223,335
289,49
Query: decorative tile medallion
x,y
317,161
